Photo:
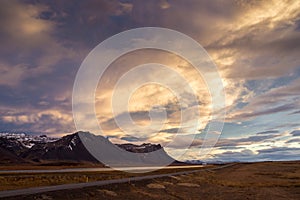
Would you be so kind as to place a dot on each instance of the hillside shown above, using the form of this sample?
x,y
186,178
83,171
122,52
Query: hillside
x,y
22,148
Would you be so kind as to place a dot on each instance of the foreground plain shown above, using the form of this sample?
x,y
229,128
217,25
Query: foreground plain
x,y
268,180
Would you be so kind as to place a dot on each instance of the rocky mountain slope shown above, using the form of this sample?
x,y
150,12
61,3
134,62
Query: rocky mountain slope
x,y
68,148
21,148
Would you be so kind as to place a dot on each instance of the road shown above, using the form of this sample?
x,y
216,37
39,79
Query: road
x,y
29,191
95,169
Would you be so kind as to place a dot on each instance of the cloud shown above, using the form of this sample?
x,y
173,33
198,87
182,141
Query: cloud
x,y
85,24
250,36
256,139
248,53
133,139
255,45
29,46
288,125
230,148
280,99
295,133
164,4
157,96
269,154
254,34
296,112
233,156
22,26
52,122
171,130
283,108
279,149
267,132
264,147
294,141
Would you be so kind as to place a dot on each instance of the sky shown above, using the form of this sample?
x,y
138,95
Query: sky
x,y
255,46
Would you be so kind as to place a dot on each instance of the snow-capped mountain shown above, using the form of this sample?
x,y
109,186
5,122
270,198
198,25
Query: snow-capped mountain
x,y
67,148
70,148
26,140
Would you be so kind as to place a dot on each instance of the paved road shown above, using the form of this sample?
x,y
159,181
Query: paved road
x,y
29,191
95,169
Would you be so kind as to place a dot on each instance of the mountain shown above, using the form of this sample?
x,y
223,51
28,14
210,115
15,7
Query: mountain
x,y
143,148
68,148
25,140
113,155
8,157
80,147
10,150
12,145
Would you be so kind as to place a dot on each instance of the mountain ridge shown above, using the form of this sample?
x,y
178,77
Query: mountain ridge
x,y
21,148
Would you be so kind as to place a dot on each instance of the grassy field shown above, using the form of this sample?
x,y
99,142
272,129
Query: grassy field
x,y
61,165
269,180
18,181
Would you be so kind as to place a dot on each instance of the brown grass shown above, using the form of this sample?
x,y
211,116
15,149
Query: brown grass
x,y
18,181
270,180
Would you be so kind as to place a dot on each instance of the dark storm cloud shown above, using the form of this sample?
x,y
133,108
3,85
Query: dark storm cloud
x,y
87,23
296,112
293,140
257,138
267,132
132,139
228,148
295,133
170,130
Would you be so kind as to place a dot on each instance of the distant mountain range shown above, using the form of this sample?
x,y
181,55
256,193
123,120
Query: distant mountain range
x,y
23,148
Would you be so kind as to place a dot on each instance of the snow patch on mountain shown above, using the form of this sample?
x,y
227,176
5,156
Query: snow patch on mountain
x,y
26,140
